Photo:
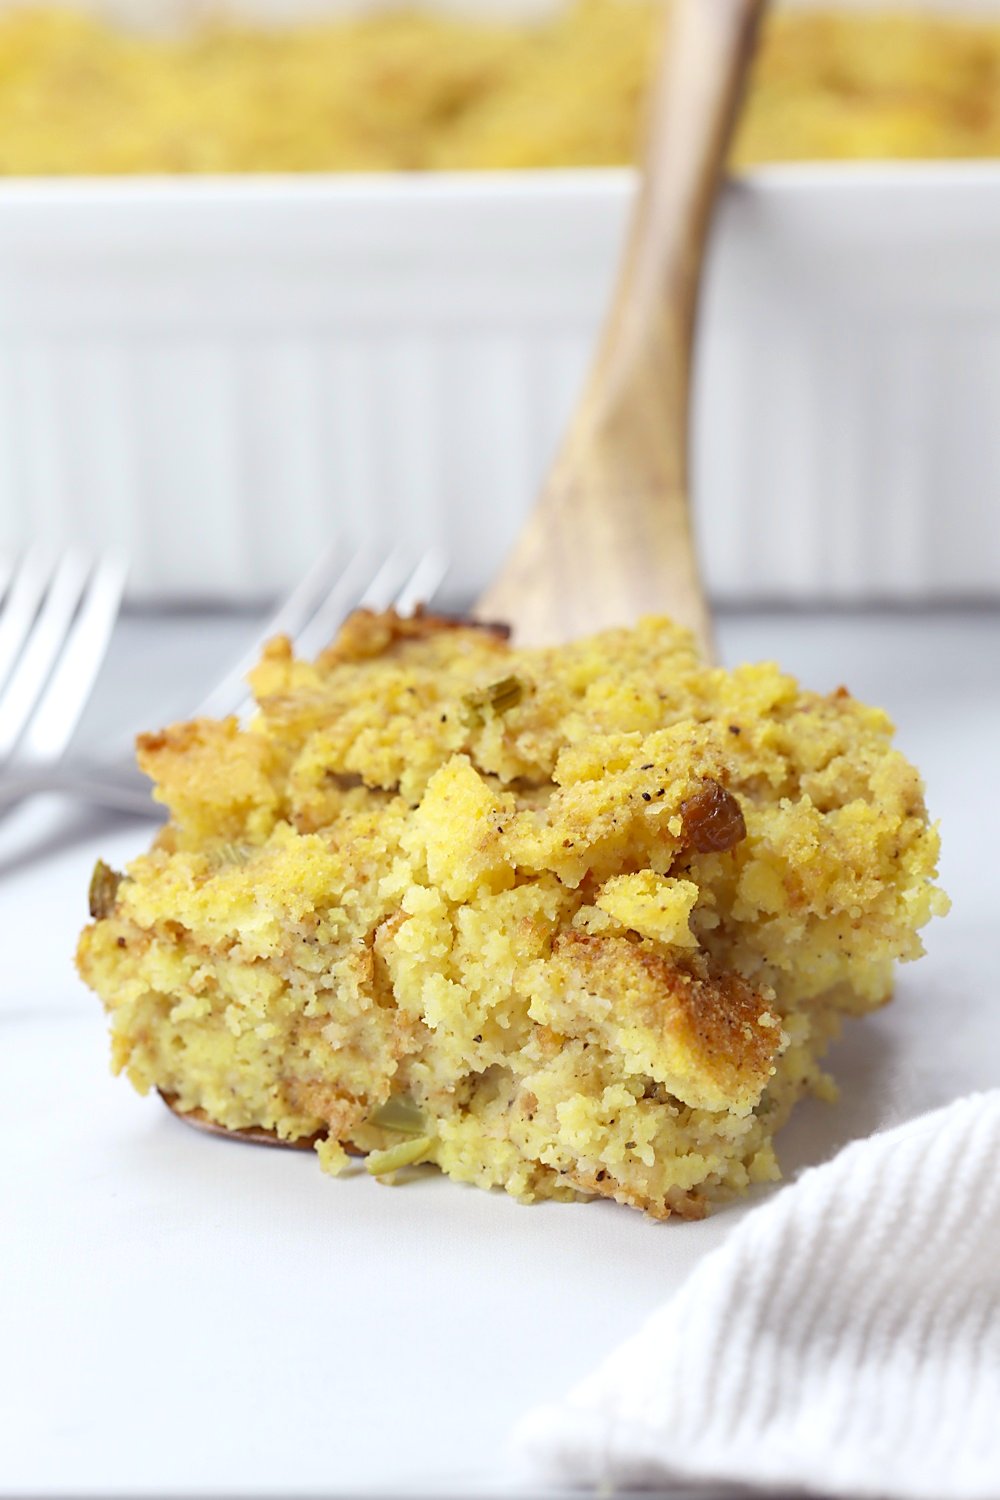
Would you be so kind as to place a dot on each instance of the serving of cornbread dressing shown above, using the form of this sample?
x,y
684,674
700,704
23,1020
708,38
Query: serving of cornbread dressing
x,y
567,921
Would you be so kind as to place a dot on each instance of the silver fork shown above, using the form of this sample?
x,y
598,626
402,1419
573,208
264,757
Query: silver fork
x,y
55,626
310,615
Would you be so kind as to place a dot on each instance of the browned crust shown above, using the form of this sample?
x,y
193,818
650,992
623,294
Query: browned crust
x,y
179,739
716,1018
683,1205
721,1019
367,633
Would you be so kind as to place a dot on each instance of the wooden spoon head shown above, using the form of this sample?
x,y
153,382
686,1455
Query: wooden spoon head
x,y
609,542
254,1135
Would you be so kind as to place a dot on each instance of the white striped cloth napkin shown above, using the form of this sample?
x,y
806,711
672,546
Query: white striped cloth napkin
x,y
844,1340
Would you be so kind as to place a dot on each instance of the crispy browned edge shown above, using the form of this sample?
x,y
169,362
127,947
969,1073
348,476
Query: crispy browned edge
x,y
368,633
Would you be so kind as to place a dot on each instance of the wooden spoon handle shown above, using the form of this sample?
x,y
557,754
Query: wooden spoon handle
x,y
610,538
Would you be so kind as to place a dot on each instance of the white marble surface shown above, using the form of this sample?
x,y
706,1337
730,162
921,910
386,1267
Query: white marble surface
x,y
179,1315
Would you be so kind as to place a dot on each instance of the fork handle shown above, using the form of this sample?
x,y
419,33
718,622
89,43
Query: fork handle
x,y
127,792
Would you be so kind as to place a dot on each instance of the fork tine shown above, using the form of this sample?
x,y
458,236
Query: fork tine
x,y
337,601
28,583
367,582
394,579
288,619
292,614
41,649
59,711
424,582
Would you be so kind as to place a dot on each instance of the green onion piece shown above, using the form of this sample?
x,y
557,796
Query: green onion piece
x,y
507,693
406,1154
104,883
400,1114
499,696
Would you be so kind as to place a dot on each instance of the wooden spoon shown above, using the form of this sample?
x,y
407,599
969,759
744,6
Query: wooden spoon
x,y
610,537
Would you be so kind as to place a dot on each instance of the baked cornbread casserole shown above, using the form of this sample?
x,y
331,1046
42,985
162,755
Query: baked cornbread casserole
x,y
407,87
579,920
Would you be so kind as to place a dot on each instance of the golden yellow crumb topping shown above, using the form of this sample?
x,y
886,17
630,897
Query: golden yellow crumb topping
x,y
411,90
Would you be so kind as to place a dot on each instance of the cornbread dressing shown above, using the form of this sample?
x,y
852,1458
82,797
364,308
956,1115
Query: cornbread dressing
x,y
409,90
575,921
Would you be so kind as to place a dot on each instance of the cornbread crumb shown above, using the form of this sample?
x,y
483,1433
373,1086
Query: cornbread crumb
x,y
538,917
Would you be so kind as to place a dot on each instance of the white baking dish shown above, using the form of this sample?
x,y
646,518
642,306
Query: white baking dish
x,y
216,375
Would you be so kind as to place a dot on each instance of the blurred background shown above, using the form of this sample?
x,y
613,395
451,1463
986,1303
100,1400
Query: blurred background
x,y
286,270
